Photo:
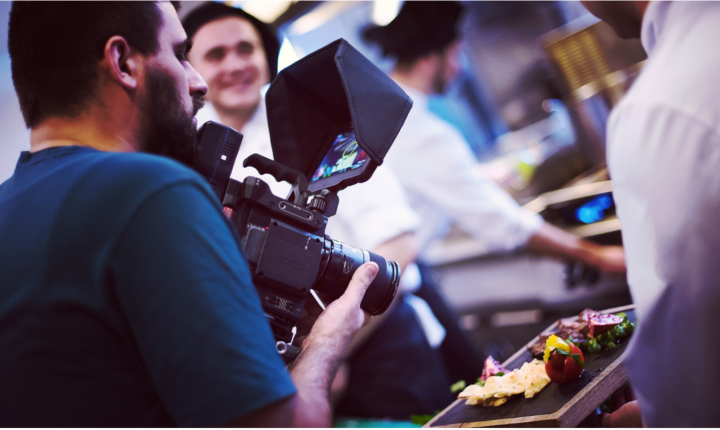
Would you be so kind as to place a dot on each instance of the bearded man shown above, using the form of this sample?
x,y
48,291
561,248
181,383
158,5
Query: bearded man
x,y
125,299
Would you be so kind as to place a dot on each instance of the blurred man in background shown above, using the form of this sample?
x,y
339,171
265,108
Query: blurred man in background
x,y
663,154
125,299
394,369
434,163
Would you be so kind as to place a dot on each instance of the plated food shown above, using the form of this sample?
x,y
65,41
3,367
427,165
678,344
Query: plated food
x,y
500,385
592,332
559,357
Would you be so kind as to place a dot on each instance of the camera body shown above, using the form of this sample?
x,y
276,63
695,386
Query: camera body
x,y
289,253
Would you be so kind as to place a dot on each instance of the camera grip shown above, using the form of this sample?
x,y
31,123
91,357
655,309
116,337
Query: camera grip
x,y
278,171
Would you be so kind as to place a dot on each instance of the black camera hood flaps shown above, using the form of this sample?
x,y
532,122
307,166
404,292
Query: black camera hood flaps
x,y
333,86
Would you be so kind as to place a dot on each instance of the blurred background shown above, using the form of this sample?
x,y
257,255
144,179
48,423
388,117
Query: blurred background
x,y
538,81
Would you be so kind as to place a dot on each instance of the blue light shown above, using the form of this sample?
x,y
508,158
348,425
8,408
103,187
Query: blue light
x,y
594,210
604,201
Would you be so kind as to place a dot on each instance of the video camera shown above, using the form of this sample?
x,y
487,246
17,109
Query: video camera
x,y
332,116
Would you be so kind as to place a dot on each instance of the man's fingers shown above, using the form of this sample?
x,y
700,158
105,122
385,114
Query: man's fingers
x,y
367,319
627,416
361,280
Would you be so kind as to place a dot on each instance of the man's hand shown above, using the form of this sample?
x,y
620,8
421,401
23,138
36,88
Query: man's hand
x,y
626,412
316,366
342,319
554,242
610,259
627,416
325,348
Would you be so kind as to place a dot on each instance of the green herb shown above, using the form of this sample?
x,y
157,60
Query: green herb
x,y
422,419
458,386
499,374
593,347
618,331
480,382
611,338
576,357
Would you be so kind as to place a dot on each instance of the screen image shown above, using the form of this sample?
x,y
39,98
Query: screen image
x,y
344,155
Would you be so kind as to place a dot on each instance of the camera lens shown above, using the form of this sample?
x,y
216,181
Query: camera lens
x,y
339,263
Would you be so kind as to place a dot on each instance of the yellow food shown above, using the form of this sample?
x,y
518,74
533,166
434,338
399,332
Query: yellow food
x,y
554,342
536,378
529,379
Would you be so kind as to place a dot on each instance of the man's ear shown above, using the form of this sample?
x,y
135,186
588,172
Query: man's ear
x,y
123,62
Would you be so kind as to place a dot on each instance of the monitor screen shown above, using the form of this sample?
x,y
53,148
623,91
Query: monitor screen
x,y
344,155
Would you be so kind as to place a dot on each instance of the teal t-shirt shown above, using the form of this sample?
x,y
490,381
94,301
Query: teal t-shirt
x,y
124,298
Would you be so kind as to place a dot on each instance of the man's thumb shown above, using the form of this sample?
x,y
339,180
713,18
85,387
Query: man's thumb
x,y
361,280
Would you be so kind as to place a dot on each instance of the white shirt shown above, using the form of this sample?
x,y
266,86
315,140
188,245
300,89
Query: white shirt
x,y
435,166
256,140
664,142
664,159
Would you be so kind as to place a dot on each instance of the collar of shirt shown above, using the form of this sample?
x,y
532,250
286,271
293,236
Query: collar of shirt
x,y
653,24
420,99
258,120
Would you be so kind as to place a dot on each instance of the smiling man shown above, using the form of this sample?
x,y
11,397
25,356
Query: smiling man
x,y
237,55
125,299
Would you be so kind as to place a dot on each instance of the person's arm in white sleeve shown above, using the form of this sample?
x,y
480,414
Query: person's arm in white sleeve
x,y
551,241
441,171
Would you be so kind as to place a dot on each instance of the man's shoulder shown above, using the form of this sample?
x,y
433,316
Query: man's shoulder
x,y
139,171
681,72
128,180
146,165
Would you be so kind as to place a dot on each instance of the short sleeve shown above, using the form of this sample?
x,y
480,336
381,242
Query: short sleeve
x,y
187,294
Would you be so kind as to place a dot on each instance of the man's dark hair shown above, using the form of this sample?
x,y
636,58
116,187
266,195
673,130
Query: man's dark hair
x,y
420,28
55,48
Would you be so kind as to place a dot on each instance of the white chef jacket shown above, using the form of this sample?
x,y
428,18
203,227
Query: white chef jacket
x,y
256,140
369,213
664,159
435,166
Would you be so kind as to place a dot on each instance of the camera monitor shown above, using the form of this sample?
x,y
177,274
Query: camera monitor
x,y
345,162
333,116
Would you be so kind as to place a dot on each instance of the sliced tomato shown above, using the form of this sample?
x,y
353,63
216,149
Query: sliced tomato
x,y
563,369
557,361
601,323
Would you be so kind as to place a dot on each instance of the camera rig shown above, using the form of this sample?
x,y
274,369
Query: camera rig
x,y
332,116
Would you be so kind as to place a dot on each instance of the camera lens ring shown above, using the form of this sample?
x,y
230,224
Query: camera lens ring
x,y
389,275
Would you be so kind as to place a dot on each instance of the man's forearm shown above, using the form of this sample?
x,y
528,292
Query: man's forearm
x,y
312,372
324,349
554,242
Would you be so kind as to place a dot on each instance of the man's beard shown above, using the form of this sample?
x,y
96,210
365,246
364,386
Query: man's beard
x,y
167,129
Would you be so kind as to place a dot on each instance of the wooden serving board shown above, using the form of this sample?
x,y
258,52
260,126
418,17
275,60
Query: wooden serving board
x,y
556,405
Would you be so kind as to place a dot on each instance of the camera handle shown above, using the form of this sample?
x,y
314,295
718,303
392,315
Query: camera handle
x,y
281,172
